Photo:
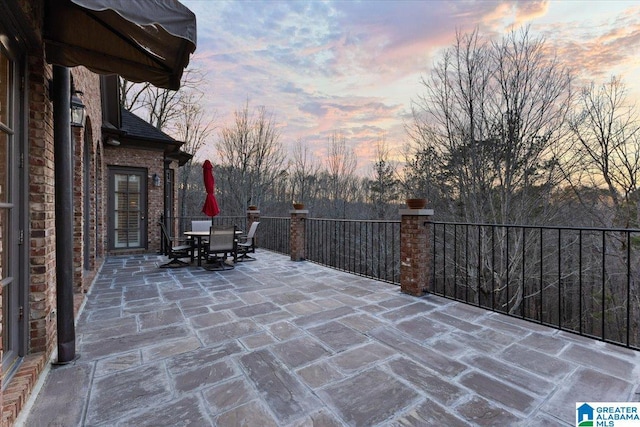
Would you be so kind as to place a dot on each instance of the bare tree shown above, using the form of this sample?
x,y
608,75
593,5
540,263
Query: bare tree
x,y
251,154
303,172
160,107
491,115
606,132
448,120
131,94
490,125
341,165
607,135
194,128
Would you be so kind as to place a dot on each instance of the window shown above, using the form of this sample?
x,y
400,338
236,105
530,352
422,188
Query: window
x,y
10,232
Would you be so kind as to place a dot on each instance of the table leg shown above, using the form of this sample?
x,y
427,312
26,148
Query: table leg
x,y
199,251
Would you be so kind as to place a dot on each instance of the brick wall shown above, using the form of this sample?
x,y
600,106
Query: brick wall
x,y
297,235
414,251
42,262
40,231
153,163
85,142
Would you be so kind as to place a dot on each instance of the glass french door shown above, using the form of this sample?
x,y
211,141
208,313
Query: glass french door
x,y
11,232
127,208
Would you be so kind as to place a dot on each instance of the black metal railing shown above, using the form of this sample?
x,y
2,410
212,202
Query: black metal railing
x,y
365,248
273,234
582,280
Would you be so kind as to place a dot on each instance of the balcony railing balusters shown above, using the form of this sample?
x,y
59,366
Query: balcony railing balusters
x,y
629,287
359,247
594,275
604,272
559,278
273,234
522,290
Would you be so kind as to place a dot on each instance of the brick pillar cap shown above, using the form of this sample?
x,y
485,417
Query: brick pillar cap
x,y
416,212
256,211
299,211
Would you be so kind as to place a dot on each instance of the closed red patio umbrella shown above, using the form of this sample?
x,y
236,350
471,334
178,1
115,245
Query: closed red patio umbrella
x,y
210,207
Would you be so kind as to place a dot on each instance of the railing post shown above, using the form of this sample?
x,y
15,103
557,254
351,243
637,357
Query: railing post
x,y
415,253
297,234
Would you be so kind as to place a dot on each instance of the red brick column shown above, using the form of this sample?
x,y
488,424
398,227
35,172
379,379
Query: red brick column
x,y
415,251
296,236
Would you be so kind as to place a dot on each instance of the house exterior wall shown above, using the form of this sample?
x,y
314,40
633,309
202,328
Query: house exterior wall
x,y
86,141
42,261
153,161
40,232
90,185
38,276
42,198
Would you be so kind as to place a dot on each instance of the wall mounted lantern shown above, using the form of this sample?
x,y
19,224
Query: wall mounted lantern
x,y
156,180
78,115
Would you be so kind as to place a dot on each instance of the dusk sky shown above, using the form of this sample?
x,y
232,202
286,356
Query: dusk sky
x,y
355,66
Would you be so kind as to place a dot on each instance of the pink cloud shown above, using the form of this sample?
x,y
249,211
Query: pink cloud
x,y
527,11
498,16
597,56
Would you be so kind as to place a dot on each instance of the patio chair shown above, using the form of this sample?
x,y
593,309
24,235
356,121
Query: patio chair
x,y
222,243
200,225
175,252
246,244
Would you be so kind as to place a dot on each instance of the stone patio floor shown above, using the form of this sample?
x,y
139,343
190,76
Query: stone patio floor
x,y
281,343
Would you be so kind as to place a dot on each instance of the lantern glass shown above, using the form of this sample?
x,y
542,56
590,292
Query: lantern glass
x,y
77,112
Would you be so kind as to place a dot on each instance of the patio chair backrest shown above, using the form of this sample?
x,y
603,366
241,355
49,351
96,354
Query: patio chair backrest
x,y
247,244
251,234
252,229
222,238
200,225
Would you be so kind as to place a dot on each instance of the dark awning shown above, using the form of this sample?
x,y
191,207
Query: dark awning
x,y
142,40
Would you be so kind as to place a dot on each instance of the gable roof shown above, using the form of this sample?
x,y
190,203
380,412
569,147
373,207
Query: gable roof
x,y
135,127
138,133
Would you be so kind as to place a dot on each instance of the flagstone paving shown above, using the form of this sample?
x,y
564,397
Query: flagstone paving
x,y
281,343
